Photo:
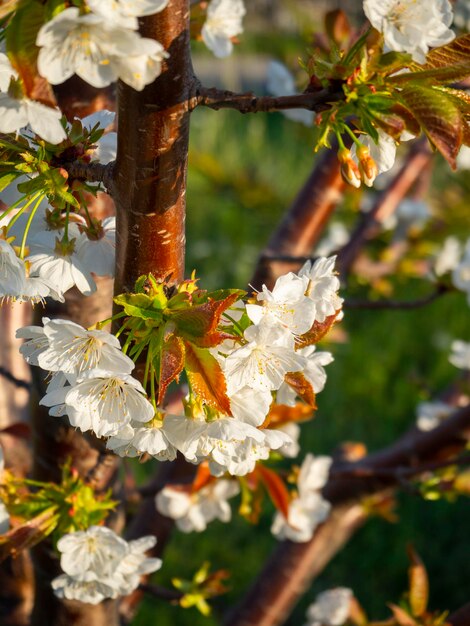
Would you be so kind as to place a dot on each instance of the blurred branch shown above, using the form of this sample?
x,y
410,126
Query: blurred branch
x,y
303,224
17,382
162,593
398,304
216,99
461,617
292,566
416,162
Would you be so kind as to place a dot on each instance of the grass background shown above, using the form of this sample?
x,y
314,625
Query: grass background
x,y
244,172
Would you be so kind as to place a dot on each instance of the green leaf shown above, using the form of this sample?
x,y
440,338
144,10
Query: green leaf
x,y
21,37
139,305
7,179
206,378
439,118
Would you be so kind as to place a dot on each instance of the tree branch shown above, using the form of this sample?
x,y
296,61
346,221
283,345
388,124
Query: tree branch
x,y
293,566
216,99
92,172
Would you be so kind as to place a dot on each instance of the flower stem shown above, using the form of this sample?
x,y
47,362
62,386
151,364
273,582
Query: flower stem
x,y
28,226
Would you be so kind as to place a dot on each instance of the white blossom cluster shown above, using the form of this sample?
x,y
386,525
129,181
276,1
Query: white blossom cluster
x,y
98,564
331,608
412,26
308,509
91,379
454,257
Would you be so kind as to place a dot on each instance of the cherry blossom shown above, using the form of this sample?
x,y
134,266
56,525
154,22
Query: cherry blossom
x,y
264,361
448,257
460,356
331,608
102,402
97,50
125,12
382,153
98,255
323,286
431,414
193,510
461,273
223,22
411,26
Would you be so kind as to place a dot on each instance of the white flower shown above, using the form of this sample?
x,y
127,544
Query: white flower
x,y
193,510
87,589
17,284
36,342
97,549
98,564
323,286
264,361
97,255
382,153
106,146
280,82
290,450
97,50
62,268
305,514
102,402
309,508
286,304
448,257
224,21
73,350
150,438
125,12
314,372
7,72
250,405
431,414
44,121
460,356
135,564
411,26
331,608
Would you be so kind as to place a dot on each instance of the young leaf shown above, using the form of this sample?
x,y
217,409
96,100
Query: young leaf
x,y
317,332
21,37
171,363
276,489
28,534
419,585
302,387
438,116
206,377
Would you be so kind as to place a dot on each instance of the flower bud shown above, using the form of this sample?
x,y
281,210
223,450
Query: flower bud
x,y
349,169
367,165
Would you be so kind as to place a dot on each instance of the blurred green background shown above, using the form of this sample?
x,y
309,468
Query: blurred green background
x,y
244,172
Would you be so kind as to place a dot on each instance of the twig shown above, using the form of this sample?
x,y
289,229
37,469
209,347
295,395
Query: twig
x,y
216,99
293,566
398,304
92,172
18,382
162,593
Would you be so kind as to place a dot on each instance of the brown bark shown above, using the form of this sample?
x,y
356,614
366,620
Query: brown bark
x,y
304,223
151,166
292,566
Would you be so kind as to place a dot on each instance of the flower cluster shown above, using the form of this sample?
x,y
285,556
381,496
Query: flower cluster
x,y
272,359
101,45
308,508
98,564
